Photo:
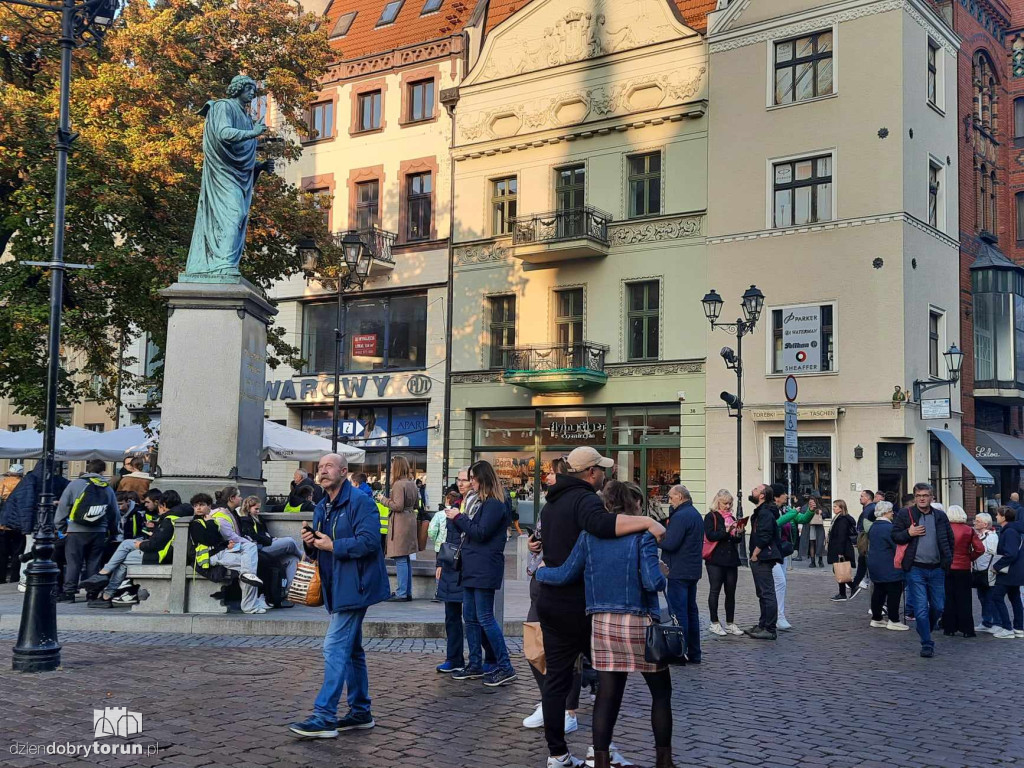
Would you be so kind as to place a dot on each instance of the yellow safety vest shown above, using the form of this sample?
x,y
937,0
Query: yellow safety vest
x,y
291,508
162,554
202,550
223,514
385,514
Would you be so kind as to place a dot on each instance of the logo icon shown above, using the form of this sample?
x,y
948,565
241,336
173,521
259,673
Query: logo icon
x,y
801,356
116,721
419,384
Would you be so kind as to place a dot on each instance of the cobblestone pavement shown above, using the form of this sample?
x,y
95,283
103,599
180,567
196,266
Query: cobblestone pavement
x,y
833,693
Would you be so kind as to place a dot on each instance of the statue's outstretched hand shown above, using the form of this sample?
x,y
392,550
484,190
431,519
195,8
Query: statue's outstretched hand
x,y
259,129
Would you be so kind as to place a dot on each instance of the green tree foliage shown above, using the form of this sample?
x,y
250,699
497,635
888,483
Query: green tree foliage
x,y
134,174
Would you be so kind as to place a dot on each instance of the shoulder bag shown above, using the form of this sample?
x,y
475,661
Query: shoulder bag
x,y
901,549
305,588
665,643
450,556
842,571
709,546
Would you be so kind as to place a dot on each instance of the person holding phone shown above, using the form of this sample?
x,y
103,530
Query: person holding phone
x,y
723,563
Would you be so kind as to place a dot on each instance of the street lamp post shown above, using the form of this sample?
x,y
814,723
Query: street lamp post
x,y
37,648
954,362
753,303
349,273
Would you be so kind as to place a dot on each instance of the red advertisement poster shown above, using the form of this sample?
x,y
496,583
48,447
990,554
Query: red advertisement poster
x,y
364,344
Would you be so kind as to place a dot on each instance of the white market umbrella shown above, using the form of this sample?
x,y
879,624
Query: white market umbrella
x,y
281,443
72,444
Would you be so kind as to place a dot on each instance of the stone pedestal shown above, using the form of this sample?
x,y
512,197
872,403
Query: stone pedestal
x,y
211,417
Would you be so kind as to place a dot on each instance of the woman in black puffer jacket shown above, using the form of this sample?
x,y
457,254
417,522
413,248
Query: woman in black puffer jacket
x,y
842,538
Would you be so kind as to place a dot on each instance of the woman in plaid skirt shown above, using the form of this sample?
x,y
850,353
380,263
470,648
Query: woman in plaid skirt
x,y
622,577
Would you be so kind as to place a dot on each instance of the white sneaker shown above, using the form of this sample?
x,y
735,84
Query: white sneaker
x,y
570,722
1004,634
22,586
125,599
565,761
987,630
251,579
536,720
782,625
617,760
897,626
716,629
255,611
732,629
879,624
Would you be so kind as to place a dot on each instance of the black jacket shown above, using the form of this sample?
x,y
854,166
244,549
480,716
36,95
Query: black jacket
x,y
483,545
162,534
254,529
764,533
204,531
133,524
943,533
727,553
572,507
842,538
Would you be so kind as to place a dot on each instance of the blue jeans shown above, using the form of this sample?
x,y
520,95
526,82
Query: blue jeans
x,y
988,616
478,609
926,591
999,594
344,664
682,601
403,574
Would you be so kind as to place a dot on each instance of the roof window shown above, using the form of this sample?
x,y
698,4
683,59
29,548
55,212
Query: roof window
x,y
431,6
343,24
390,12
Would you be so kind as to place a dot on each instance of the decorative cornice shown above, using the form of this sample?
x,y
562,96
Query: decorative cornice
x,y
485,377
825,226
632,233
732,40
480,253
396,59
620,370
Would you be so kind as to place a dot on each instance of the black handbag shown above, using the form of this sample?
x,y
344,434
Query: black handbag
x,y
666,643
450,556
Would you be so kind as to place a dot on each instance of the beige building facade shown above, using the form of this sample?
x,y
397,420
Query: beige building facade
x,y
832,178
579,245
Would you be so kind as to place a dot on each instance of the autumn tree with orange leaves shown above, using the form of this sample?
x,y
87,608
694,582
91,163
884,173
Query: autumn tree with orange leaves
x,y
134,174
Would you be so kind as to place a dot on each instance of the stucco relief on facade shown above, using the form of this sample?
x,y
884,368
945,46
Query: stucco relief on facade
x,y
579,35
654,369
476,378
653,231
480,254
392,59
574,107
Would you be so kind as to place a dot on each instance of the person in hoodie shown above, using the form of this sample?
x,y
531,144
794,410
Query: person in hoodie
x,y
18,513
133,518
87,513
1009,570
573,507
155,549
681,551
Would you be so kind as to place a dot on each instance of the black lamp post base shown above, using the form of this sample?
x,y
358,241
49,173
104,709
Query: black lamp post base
x,y
37,649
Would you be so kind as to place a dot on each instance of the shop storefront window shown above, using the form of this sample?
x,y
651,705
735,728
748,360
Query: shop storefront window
x,y
813,473
633,425
573,428
387,432
500,428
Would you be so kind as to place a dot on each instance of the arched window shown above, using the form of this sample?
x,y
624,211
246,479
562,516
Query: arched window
x,y
982,198
985,97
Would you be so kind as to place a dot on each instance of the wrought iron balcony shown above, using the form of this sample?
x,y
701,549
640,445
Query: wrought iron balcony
x,y
380,242
573,233
570,367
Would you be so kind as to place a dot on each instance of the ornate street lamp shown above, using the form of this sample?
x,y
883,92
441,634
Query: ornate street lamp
x,y
954,363
752,304
37,648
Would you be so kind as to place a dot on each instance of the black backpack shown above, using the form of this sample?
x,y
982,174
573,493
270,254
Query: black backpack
x,y
786,544
90,508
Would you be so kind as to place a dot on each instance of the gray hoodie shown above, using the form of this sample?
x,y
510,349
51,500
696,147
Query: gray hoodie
x,y
112,524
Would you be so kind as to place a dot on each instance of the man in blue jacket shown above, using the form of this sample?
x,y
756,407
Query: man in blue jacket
x,y
681,552
345,538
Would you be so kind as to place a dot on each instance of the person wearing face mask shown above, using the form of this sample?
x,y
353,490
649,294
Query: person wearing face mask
x,y
765,553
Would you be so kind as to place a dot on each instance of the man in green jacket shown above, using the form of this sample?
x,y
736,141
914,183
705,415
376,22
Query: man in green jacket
x,y
794,517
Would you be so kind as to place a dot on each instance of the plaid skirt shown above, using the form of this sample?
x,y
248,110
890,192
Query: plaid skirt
x,y
618,641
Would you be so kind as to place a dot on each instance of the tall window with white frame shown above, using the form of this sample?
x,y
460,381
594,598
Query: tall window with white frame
x,y
569,318
803,68
643,320
933,73
645,184
802,191
502,320
419,188
934,192
321,121
934,321
369,111
504,205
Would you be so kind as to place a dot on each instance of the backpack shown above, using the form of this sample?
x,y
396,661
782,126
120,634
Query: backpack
x,y
90,508
786,546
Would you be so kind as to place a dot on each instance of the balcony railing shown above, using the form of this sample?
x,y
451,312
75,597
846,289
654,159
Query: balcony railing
x,y
557,226
556,367
379,241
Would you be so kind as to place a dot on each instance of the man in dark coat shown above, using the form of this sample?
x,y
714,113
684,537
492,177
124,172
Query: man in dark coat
x,y
867,515
928,537
681,552
765,552
18,513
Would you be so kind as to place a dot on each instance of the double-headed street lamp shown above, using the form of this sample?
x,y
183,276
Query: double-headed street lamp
x,y
37,649
753,303
349,273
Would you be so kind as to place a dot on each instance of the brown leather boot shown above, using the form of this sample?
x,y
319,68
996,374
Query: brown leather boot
x,y
664,758
602,759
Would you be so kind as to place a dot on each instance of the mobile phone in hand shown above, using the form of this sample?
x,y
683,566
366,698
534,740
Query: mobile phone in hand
x,y
310,530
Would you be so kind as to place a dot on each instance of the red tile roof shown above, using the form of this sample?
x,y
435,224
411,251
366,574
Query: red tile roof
x,y
694,12
365,38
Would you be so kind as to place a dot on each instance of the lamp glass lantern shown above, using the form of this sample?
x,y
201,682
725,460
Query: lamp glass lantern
x,y
753,302
105,14
352,245
712,306
954,361
309,254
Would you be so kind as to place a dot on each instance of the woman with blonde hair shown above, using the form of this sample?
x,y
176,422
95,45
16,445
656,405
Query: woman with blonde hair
x,y
957,615
282,552
841,539
402,533
723,563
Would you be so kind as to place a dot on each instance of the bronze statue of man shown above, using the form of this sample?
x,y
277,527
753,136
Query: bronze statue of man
x,y
230,171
